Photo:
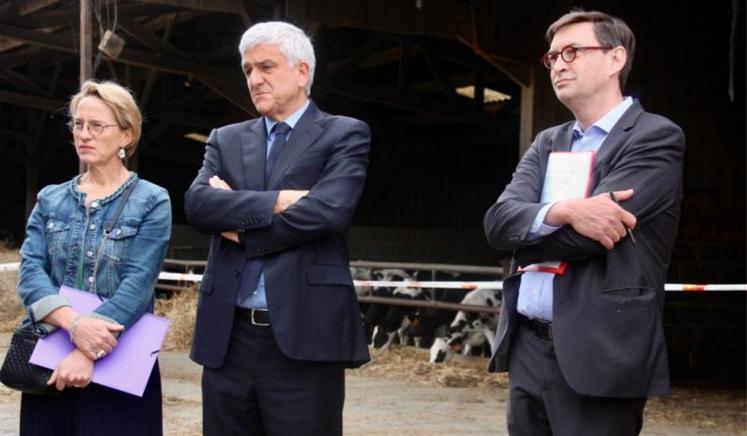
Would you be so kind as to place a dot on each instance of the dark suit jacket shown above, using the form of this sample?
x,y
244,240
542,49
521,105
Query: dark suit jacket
x,y
313,307
607,307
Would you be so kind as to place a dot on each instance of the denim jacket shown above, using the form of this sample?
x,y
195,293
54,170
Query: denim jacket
x,y
61,229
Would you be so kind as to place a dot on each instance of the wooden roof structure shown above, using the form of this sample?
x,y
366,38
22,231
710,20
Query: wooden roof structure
x,y
429,60
417,71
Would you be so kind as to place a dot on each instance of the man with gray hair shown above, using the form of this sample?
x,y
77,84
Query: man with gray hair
x,y
580,331
278,319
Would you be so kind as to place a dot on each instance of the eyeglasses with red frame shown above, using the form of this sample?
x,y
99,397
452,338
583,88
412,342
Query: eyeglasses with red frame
x,y
567,53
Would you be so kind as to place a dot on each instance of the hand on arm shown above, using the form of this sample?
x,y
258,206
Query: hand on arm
x,y
218,183
598,217
75,371
286,198
327,207
90,335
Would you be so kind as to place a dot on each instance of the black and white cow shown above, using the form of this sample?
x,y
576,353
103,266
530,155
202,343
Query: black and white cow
x,y
468,329
397,318
430,322
384,321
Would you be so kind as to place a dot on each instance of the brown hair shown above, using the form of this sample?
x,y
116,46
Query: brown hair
x,y
120,101
609,31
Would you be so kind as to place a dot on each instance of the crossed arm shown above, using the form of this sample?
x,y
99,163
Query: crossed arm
x,y
285,199
646,180
93,333
284,218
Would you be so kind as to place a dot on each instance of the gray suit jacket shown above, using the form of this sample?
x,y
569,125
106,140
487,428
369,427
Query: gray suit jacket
x,y
607,307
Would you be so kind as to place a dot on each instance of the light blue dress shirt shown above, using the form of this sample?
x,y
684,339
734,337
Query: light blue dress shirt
x,y
536,288
258,299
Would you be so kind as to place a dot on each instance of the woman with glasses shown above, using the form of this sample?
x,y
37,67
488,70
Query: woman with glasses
x,y
77,236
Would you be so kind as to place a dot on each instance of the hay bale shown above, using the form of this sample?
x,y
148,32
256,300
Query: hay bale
x,y
411,364
180,309
11,309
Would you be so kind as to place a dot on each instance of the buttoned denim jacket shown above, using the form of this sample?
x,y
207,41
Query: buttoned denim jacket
x,y
61,229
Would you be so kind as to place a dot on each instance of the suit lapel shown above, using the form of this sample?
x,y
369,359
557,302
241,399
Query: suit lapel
x,y
619,133
254,154
305,133
615,139
561,141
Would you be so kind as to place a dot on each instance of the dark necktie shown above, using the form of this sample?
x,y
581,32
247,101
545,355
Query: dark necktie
x,y
253,267
281,137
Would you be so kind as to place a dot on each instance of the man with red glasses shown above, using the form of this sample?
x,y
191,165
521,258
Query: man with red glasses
x,y
581,331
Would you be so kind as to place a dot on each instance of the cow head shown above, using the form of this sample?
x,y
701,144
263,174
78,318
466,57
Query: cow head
x,y
440,351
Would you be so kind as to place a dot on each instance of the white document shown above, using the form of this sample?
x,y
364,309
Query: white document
x,y
568,176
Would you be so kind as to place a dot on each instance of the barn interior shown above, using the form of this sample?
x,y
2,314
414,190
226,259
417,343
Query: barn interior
x,y
453,92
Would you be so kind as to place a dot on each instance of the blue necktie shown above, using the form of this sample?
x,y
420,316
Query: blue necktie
x,y
253,267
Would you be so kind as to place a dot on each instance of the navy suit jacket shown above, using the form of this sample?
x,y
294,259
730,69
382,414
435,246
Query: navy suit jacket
x,y
313,306
607,307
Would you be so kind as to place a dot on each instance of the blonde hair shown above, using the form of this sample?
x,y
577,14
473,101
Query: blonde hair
x,y
119,100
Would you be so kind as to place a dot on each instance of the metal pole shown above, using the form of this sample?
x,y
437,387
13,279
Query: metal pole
x,y
86,51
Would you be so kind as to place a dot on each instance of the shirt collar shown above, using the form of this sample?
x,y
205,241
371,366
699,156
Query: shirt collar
x,y
608,121
291,121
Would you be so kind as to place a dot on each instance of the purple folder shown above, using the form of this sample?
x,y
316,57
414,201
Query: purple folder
x,y
129,365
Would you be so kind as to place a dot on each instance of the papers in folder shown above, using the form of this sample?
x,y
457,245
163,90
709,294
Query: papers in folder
x,y
568,176
129,365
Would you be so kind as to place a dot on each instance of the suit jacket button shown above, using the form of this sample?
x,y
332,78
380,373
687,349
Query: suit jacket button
x,y
235,273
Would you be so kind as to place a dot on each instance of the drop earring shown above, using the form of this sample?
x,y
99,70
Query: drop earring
x,y
121,153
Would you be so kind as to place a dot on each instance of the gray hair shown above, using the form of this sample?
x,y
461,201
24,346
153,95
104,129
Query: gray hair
x,y
293,43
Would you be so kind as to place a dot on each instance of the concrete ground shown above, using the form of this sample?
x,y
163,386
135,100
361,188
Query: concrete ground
x,y
378,405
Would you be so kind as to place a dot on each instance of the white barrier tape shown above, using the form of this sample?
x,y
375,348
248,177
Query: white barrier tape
x,y
420,284
196,278
9,266
188,277
700,288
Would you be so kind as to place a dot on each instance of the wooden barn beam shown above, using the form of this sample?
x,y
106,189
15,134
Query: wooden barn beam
x,y
21,81
31,55
225,82
63,17
348,65
458,80
152,134
233,91
148,38
462,111
246,17
438,70
184,118
226,6
29,6
382,57
31,101
160,22
7,44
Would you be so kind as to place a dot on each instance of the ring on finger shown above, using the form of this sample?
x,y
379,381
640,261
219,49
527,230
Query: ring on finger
x,y
99,354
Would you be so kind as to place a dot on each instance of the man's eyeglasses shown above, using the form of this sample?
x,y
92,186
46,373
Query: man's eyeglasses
x,y
567,53
95,128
